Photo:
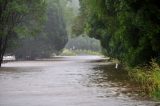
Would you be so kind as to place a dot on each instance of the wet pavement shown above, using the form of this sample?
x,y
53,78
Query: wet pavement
x,y
63,81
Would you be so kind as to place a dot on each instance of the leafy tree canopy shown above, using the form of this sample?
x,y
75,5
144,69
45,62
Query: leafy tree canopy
x,y
128,29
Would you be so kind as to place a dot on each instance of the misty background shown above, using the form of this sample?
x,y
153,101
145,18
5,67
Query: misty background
x,y
50,33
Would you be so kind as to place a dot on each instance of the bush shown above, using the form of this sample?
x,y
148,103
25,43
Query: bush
x,y
147,78
67,52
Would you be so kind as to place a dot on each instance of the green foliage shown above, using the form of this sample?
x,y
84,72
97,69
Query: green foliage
x,y
83,43
68,52
86,52
51,39
78,29
17,17
128,30
69,11
148,78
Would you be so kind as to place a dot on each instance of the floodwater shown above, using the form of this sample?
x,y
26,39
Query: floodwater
x,y
64,81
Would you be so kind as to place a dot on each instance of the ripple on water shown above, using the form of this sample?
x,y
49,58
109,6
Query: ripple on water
x,y
65,81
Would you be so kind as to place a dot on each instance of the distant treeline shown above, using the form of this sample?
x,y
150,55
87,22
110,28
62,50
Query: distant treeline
x,y
83,43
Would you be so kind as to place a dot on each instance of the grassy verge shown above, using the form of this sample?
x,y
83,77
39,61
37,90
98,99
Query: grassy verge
x,y
148,79
67,52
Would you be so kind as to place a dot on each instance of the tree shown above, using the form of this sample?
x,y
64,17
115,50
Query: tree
x,y
14,14
70,10
83,43
52,38
128,30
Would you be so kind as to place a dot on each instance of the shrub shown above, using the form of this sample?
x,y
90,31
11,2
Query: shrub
x,y
147,78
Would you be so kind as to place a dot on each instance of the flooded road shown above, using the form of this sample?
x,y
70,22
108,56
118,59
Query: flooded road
x,y
64,81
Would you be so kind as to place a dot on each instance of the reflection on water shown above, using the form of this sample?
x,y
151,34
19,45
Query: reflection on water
x,y
109,79
64,81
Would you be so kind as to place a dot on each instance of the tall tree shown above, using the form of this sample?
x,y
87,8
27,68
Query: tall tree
x,y
128,30
13,15
52,38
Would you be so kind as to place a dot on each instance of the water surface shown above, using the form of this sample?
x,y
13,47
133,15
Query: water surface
x,y
63,81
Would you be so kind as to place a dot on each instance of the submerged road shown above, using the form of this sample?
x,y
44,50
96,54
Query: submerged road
x,y
63,81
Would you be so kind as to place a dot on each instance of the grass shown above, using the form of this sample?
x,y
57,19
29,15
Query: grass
x,y
67,52
148,79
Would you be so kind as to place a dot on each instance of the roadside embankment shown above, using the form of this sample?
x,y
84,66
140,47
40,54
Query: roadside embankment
x,y
147,78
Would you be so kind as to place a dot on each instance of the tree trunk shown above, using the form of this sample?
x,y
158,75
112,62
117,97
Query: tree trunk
x,y
1,60
3,47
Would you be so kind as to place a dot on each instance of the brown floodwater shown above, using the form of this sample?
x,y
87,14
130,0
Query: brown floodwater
x,y
64,81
